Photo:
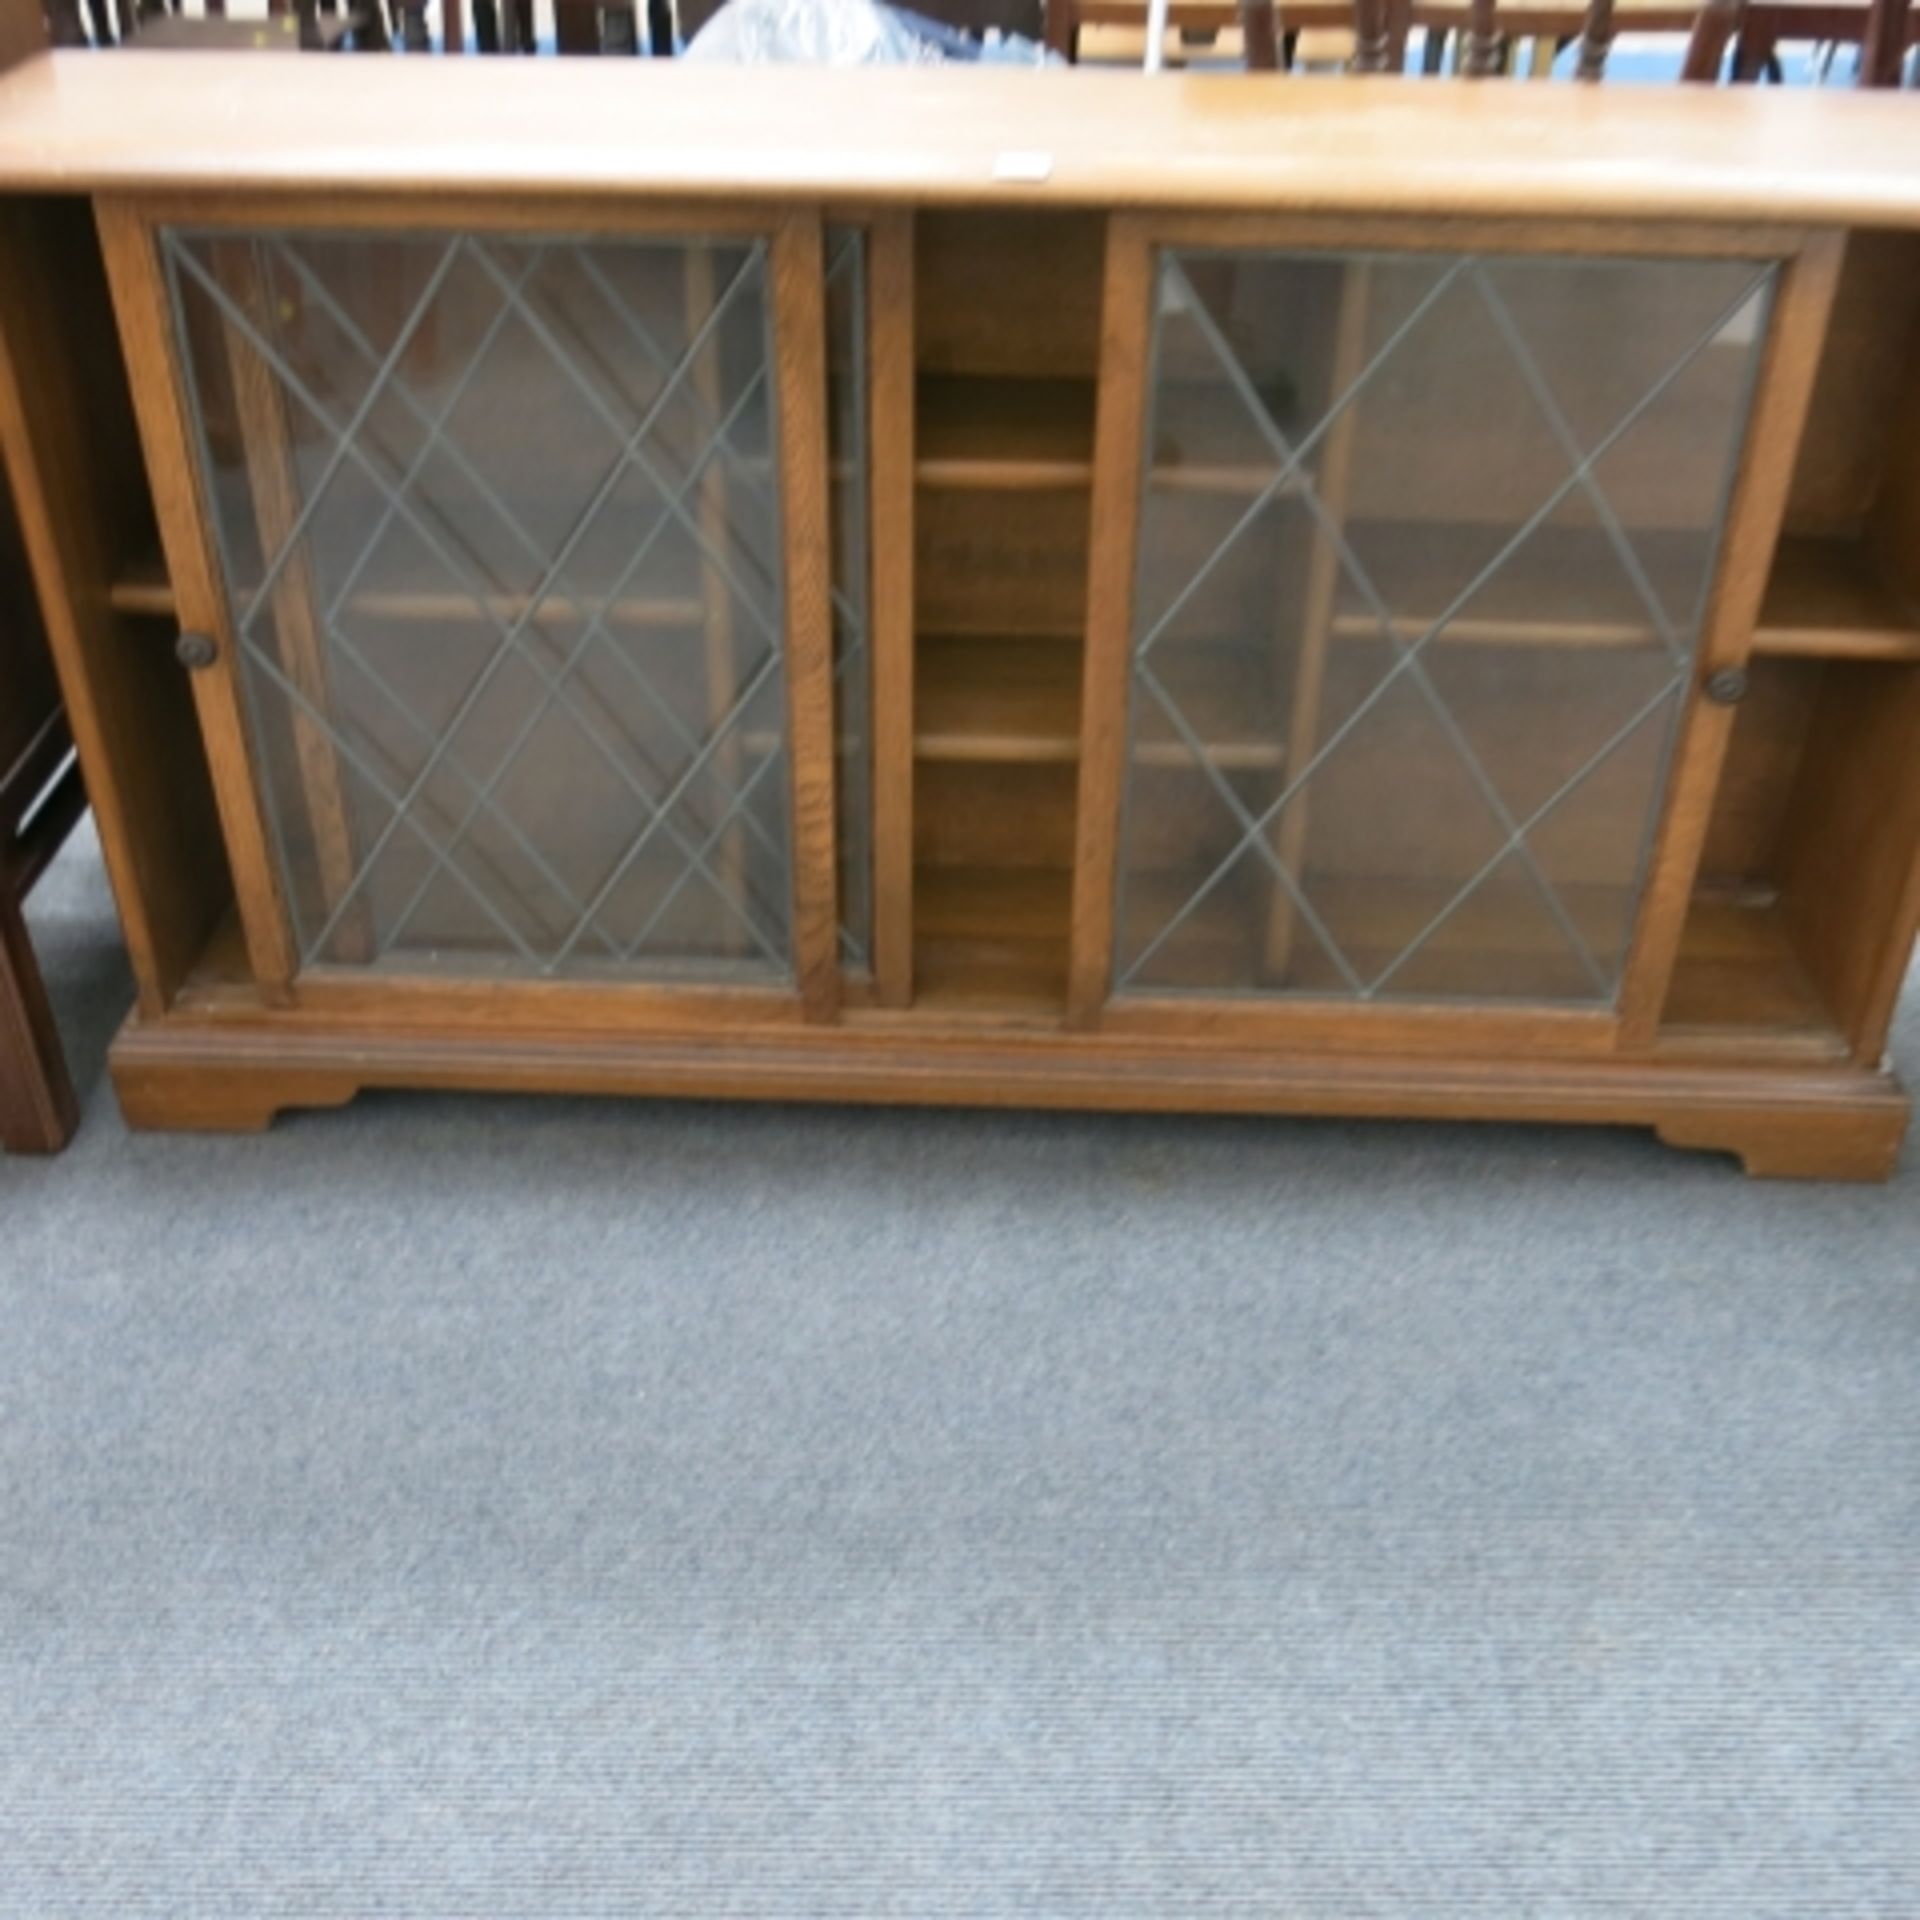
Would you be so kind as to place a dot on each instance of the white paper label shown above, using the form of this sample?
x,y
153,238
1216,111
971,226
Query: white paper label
x,y
1023,164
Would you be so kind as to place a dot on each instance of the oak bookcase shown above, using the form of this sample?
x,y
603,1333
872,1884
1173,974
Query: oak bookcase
x,y
1256,596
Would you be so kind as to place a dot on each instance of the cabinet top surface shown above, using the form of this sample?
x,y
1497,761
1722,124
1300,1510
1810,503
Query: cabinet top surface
x,y
952,136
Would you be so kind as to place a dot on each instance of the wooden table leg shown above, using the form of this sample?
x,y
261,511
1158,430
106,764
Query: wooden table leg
x,y
38,1112
64,28
1372,36
1753,48
1481,53
1719,21
1399,32
1883,49
1258,35
1596,41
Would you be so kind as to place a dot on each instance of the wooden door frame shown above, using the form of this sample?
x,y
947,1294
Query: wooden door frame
x,y
1782,391
130,226
1807,267
891,507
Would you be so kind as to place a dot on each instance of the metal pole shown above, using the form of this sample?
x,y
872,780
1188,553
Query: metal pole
x,y
1156,33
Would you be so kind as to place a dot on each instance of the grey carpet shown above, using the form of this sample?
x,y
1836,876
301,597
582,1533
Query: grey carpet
x,y
499,1507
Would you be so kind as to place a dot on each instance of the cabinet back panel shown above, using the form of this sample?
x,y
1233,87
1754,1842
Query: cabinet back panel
x,y
987,562
1008,292
1848,867
26,668
1756,783
1893,521
1865,364
993,816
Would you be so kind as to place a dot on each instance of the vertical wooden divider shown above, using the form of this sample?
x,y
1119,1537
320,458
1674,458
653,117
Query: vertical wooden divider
x,y
1308,690
723,677
160,402
800,352
1802,302
267,438
1125,337
890,442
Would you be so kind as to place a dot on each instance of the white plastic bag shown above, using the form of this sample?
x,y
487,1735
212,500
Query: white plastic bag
x,y
844,33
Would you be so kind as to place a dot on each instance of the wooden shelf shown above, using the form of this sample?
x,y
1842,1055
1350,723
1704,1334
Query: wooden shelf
x,y
1823,602
144,589
1826,600
1738,985
1002,433
632,611
222,975
1013,434
994,700
991,940
1499,948
1421,568
1201,438
997,700
1226,698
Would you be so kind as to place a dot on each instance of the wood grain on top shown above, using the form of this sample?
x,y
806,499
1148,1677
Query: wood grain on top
x,y
936,135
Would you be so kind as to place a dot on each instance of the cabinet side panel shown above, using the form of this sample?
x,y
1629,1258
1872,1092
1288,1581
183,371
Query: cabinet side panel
x,y
72,450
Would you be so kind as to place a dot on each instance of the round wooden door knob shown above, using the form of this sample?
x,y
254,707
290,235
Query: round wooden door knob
x,y
196,650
